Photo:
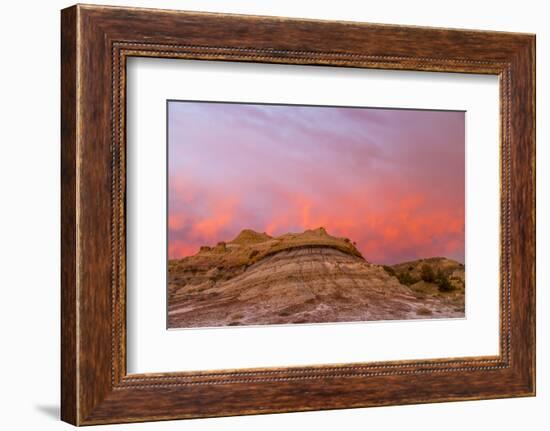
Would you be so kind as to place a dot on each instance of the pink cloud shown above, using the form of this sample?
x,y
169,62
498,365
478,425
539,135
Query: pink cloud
x,y
392,181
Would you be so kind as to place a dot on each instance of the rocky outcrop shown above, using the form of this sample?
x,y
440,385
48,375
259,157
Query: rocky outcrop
x,y
310,277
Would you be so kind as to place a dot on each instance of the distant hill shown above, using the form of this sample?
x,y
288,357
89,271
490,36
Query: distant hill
x,y
306,277
439,266
450,267
433,277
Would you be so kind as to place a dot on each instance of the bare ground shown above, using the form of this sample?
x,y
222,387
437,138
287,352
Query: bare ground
x,y
297,278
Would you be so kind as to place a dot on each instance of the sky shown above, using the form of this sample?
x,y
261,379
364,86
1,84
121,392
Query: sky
x,y
392,180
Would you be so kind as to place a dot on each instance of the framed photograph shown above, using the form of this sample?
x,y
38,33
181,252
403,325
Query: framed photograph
x,y
264,214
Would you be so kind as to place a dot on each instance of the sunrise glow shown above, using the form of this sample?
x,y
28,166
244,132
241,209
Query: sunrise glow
x,y
391,180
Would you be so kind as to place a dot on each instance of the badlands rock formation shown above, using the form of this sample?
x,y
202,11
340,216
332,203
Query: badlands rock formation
x,y
310,277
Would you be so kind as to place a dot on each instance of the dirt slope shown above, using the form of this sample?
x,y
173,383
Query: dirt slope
x,y
294,278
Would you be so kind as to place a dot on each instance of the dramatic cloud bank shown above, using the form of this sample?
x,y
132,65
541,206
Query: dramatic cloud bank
x,y
390,180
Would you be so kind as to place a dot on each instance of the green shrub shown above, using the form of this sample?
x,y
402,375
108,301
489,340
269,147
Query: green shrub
x,y
443,282
427,273
389,270
445,285
406,278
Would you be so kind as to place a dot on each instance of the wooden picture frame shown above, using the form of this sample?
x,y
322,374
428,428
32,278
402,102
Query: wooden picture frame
x,y
95,43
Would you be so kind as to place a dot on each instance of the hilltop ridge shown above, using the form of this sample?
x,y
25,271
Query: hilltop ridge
x,y
249,246
304,277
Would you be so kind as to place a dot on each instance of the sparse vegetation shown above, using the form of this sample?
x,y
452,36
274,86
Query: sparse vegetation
x,y
389,270
316,278
406,278
444,275
444,285
443,281
427,273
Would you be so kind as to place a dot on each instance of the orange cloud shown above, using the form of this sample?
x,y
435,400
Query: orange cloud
x,y
396,187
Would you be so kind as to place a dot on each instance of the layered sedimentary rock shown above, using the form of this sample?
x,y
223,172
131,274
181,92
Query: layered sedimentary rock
x,y
310,277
